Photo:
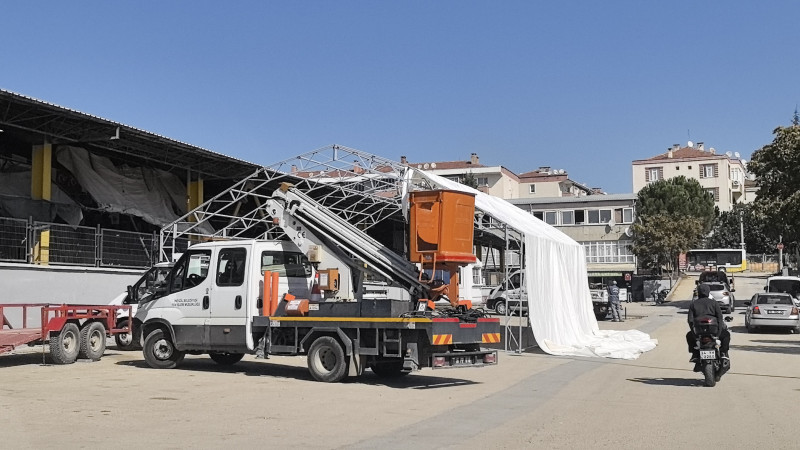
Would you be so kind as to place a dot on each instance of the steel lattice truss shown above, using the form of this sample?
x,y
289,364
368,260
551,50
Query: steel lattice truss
x,y
362,188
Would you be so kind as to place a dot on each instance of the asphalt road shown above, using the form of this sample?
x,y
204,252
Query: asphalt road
x,y
531,400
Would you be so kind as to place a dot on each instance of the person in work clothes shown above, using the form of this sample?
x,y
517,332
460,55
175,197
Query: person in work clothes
x,y
613,300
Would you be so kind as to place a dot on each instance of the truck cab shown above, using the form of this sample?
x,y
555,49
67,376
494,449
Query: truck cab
x,y
509,296
214,288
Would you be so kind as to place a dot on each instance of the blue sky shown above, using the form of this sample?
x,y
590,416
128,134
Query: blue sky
x,y
576,85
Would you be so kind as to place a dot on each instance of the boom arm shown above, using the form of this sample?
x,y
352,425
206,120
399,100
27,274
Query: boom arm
x,y
307,222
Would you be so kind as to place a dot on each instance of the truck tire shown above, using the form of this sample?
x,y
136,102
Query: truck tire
x,y
226,359
388,368
160,352
93,341
601,312
326,360
64,346
127,341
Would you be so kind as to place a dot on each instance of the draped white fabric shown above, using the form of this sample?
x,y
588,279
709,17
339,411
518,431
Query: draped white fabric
x,y
559,301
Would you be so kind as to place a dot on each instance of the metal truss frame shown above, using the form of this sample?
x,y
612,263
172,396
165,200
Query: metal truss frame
x,y
362,188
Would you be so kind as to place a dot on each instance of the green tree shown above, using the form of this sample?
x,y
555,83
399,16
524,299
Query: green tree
x,y
758,235
673,216
470,180
776,167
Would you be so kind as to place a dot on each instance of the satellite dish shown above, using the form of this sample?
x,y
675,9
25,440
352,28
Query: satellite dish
x,y
736,154
690,144
433,165
744,161
611,222
628,231
729,154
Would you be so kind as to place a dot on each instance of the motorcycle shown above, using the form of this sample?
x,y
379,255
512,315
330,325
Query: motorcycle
x,y
711,362
660,296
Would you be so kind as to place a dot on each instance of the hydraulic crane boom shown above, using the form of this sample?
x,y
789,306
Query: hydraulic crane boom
x,y
308,223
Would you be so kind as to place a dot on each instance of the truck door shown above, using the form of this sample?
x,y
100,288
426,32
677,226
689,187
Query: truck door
x,y
228,306
188,298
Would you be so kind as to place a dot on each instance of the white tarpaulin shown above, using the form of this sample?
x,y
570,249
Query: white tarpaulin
x,y
559,301
152,194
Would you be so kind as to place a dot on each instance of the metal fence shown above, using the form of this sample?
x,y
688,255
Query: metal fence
x,y
13,240
57,244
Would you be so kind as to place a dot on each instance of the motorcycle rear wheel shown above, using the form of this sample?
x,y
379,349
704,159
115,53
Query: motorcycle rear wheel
x,y
708,373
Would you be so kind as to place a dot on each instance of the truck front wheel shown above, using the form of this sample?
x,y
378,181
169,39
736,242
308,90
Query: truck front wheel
x,y
326,360
160,352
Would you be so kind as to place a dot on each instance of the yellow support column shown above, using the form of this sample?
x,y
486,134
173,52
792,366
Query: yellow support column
x,y
194,190
41,189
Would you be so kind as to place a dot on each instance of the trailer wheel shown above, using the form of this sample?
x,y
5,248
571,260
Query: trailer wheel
x,y
127,341
93,341
160,352
389,368
226,359
65,345
326,360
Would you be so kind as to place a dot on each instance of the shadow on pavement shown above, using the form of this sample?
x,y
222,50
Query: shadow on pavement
x,y
794,350
688,382
414,380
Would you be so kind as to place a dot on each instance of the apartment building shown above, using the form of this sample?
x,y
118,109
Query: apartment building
x,y
601,223
722,175
499,181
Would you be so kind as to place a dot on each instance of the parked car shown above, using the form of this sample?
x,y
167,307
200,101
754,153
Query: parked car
x,y
722,294
513,300
772,310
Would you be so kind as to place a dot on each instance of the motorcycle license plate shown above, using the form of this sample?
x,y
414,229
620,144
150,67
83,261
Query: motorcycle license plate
x,y
708,354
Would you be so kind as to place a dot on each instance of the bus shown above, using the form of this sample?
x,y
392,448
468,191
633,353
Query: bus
x,y
725,259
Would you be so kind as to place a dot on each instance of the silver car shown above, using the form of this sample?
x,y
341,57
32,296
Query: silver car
x,y
722,294
772,310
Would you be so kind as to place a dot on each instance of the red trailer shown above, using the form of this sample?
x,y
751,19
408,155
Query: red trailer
x,y
71,331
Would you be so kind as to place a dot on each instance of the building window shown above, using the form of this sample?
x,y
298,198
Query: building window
x,y
627,215
594,216
538,214
708,171
567,217
714,192
652,174
605,215
580,216
482,181
608,252
599,216
550,217
532,188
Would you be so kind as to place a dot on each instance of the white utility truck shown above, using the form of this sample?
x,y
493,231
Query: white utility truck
x,y
305,297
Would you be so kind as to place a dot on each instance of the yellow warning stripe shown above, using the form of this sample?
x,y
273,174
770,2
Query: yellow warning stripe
x,y
348,319
490,338
442,339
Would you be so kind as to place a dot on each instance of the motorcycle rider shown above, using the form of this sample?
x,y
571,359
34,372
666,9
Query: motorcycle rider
x,y
705,306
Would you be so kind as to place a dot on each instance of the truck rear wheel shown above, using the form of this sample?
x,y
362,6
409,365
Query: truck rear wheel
x,y
93,341
500,307
389,368
326,360
65,345
160,352
126,341
226,359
